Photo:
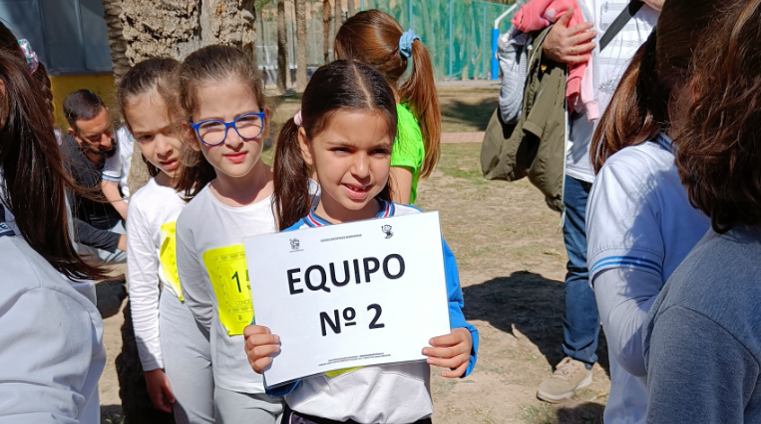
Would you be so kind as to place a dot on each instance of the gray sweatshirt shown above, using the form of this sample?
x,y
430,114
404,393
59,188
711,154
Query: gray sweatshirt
x,y
702,338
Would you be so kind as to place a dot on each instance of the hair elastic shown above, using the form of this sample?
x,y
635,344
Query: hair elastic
x,y
405,42
297,119
31,57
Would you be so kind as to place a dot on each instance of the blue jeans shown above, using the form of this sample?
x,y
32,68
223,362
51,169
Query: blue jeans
x,y
581,322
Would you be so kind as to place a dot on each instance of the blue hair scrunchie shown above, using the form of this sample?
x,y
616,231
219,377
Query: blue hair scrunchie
x,y
405,43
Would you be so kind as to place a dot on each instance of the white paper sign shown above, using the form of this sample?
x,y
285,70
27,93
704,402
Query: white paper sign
x,y
349,295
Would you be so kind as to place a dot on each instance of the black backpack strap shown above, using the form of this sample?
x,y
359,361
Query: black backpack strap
x,y
621,20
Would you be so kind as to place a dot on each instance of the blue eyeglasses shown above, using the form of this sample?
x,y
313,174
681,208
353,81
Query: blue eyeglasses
x,y
213,132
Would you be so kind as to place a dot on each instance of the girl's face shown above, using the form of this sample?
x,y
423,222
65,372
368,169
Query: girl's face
x,y
352,158
152,128
226,100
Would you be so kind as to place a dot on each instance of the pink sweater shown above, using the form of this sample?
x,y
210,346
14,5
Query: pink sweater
x,y
537,14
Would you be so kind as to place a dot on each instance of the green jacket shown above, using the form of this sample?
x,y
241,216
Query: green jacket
x,y
535,145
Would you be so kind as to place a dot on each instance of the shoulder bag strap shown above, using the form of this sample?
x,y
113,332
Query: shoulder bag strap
x,y
623,18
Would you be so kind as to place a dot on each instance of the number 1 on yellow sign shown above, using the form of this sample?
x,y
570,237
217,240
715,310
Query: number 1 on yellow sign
x,y
227,267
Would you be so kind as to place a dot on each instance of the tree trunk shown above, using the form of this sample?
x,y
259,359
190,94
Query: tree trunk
x,y
301,44
351,8
113,11
282,48
337,18
229,22
326,18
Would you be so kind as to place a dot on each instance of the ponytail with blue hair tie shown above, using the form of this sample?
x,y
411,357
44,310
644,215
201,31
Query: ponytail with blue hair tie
x,y
405,42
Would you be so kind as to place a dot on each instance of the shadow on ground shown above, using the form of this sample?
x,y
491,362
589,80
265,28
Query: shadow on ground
x,y
110,295
530,302
591,413
111,414
473,114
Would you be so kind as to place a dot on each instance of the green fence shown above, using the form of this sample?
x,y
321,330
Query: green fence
x,y
458,33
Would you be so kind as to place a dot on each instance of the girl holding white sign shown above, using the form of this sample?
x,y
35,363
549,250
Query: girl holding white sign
x,y
174,350
222,96
345,133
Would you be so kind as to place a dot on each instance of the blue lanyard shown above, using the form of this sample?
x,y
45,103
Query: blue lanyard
x,y
664,141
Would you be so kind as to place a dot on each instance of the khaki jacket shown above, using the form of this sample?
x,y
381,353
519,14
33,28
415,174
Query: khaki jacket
x,y
535,145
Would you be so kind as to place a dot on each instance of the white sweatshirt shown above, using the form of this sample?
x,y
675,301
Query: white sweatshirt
x,y
214,277
52,351
640,227
152,213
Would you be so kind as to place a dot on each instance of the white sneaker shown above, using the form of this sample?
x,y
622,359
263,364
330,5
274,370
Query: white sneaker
x,y
569,376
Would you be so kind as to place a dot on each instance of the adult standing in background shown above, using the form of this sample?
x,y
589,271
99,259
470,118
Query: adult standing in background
x,y
571,45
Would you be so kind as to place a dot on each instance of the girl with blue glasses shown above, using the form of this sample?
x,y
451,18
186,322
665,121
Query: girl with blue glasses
x,y
231,190
213,132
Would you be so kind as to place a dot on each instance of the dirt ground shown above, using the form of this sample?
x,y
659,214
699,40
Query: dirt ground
x,y
511,258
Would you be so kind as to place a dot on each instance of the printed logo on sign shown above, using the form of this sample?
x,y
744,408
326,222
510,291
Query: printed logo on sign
x,y
387,230
295,243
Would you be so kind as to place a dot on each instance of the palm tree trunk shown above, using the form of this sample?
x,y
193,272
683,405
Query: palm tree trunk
x,y
351,7
326,18
301,44
337,18
282,48
113,11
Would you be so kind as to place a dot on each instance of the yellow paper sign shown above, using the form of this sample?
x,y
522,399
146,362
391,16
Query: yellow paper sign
x,y
229,277
168,257
336,373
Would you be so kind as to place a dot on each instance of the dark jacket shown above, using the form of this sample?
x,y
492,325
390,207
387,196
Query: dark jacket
x,y
93,218
535,145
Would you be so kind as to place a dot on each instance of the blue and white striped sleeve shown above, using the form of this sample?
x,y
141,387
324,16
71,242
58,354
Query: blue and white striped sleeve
x,y
112,168
623,221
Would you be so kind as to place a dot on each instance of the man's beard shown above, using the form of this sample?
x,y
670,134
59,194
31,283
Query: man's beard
x,y
107,153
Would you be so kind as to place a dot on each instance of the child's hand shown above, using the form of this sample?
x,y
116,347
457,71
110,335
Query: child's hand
x,y
451,351
260,346
159,390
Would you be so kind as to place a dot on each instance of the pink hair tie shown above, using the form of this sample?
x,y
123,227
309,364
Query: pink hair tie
x,y
297,119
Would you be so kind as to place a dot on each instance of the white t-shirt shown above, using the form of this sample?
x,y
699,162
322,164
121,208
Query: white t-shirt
x,y
151,254
214,276
116,167
640,226
112,166
609,66
127,143
52,351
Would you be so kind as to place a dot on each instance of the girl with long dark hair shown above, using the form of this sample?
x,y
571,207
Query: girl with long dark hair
x,y
344,133
52,355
